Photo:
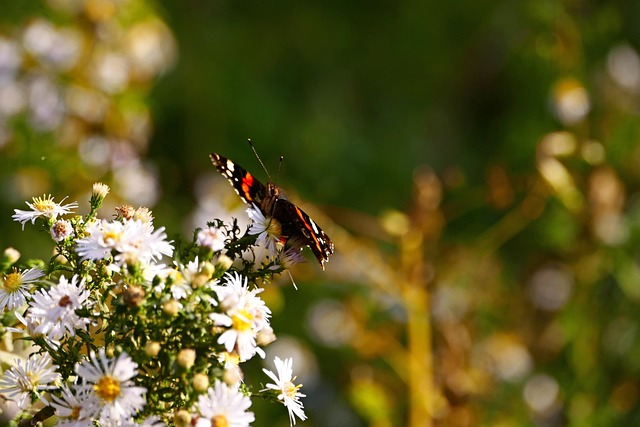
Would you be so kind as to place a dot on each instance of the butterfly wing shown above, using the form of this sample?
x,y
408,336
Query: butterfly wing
x,y
246,185
301,230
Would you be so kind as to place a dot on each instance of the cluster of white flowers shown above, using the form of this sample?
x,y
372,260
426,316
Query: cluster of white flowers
x,y
139,318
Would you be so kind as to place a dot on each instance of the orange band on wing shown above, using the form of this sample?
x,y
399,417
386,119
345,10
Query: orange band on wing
x,y
247,183
308,227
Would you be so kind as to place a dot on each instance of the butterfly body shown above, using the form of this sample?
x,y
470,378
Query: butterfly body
x,y
297,228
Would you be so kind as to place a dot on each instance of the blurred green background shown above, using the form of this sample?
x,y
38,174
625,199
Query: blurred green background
x,y
476,163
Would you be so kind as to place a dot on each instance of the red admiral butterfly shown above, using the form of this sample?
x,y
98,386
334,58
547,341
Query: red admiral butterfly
x,y
297,228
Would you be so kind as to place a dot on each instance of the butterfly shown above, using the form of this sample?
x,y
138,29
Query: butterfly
x,y
297,227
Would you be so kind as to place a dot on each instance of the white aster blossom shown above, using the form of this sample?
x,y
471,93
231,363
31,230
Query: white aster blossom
x,y
74,410
102,237
34,376
224,405
128,241
288,391
30,325
110,384
268,229
245,315
54,310
15,287
43,207
178,286
212,238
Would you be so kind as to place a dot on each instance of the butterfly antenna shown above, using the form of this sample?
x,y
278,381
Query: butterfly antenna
x,y
273,208
279,167
259,159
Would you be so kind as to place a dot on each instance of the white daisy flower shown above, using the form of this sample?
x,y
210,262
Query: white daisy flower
x,y
224,405
239,338
54,310
268,229
109,381
36,375
288,391
61,229
245,316
43,207
15,286
212,238
74,410
235,293
150,271
102,237
178,286
141,242
30,324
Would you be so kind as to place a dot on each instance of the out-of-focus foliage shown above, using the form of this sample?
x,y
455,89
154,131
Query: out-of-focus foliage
x,y
481,163
74,84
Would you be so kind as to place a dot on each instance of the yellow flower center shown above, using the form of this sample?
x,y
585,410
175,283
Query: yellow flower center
x,y
291,389
12,282
219,421
274,229
108,388
34,380
111,237
242,320
44,204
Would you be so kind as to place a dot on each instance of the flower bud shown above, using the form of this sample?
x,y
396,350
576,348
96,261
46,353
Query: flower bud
x,y
208,269
186,358
143,214
171,307
200,382
224,263
182,418
133,296
8,258
265,336
11,255
232,375
199,280
100,190
125,211
152,348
